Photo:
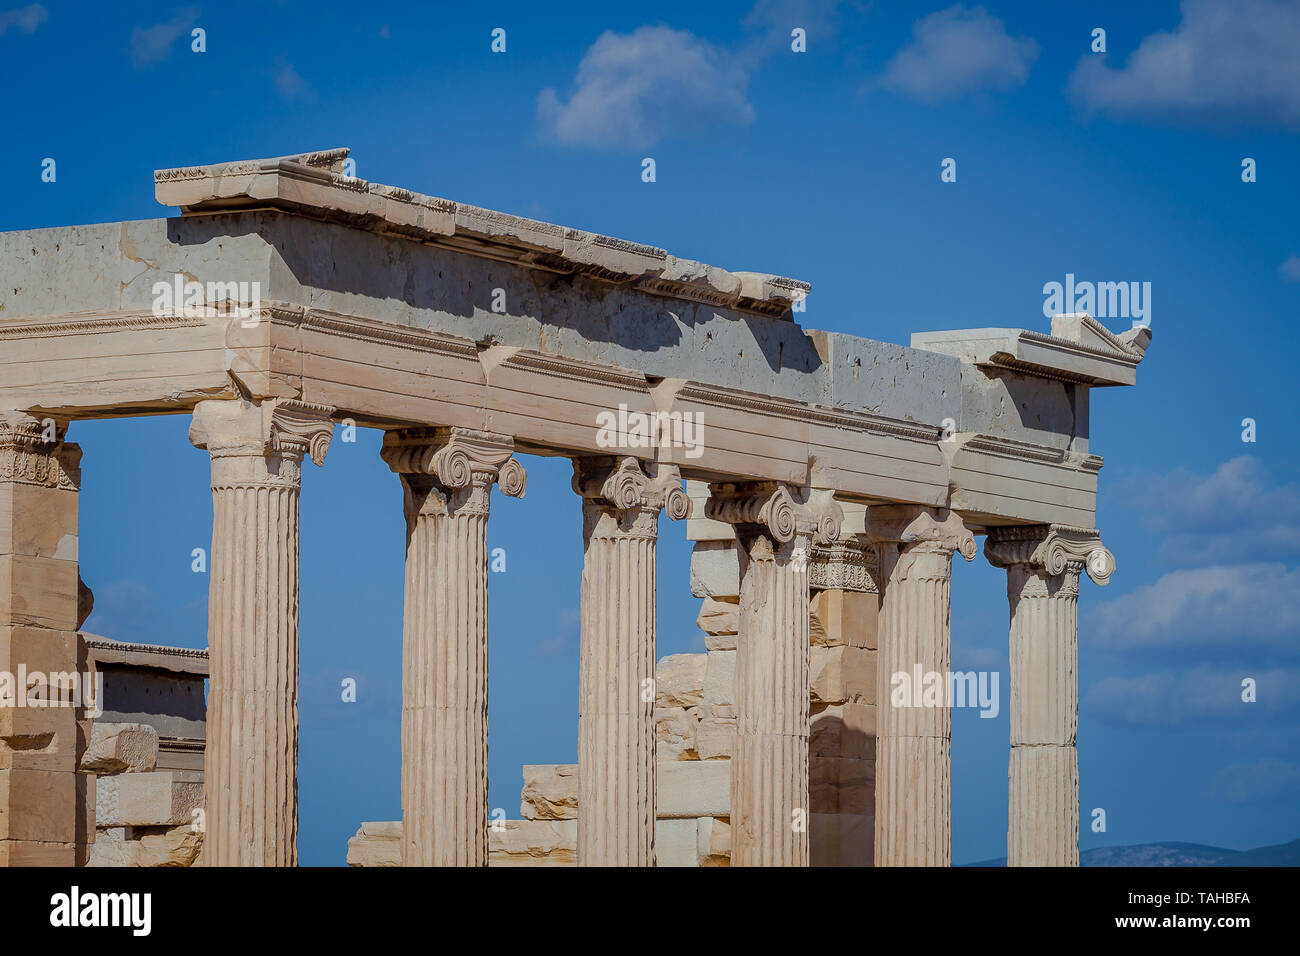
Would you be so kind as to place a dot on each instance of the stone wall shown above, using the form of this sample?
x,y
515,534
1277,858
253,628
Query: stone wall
x,y
144,758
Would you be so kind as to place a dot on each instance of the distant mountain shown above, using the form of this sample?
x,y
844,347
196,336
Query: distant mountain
x,y
1181,854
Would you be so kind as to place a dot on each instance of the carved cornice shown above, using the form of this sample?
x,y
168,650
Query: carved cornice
x,y
1053,549
917,528
383,333
1022,451
773,507
843,566
96,324
28,459
730,398
627,484
574,370
456,457
313,184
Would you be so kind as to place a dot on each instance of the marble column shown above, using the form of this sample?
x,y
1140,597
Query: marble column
x,y
776,530
621,501
251,787
1043,564
42,797
913,763
447,476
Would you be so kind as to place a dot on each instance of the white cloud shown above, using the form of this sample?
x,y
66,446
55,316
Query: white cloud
x,y
957,51
634,89
1290,269
25,19
1265,780
1206,695
774,19
1237,513
289,83
1228,61
150,45
1221,607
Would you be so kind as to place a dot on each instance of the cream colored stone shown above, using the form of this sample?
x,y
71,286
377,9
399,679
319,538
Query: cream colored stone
x,y
679,680
842,674
376,844
111,848
121,748
844,617
719,684
166,846
715,570
720,642
533,843
713,842
676,843
510,843
715,738
719,616
694,788
157,798
550,792
675,733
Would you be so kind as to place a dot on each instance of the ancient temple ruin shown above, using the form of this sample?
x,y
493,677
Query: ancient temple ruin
x,y
831,484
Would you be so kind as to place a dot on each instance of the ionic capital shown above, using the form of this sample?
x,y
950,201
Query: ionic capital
x,y
1052,549
279,427
33,452
919,529
628,484
773,508
456,457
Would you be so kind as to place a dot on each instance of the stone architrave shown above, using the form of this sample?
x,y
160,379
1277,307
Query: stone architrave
x,y
913,757
447,476
1043,563
770,804
621,501
251,815
42,797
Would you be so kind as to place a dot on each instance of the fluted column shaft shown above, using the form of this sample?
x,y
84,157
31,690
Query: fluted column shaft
x,y
1044,773
447,477
251,758
616,733
444,678
1043,566
769,768
913,736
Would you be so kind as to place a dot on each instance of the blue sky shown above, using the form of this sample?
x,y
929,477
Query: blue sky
x,y
821,165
